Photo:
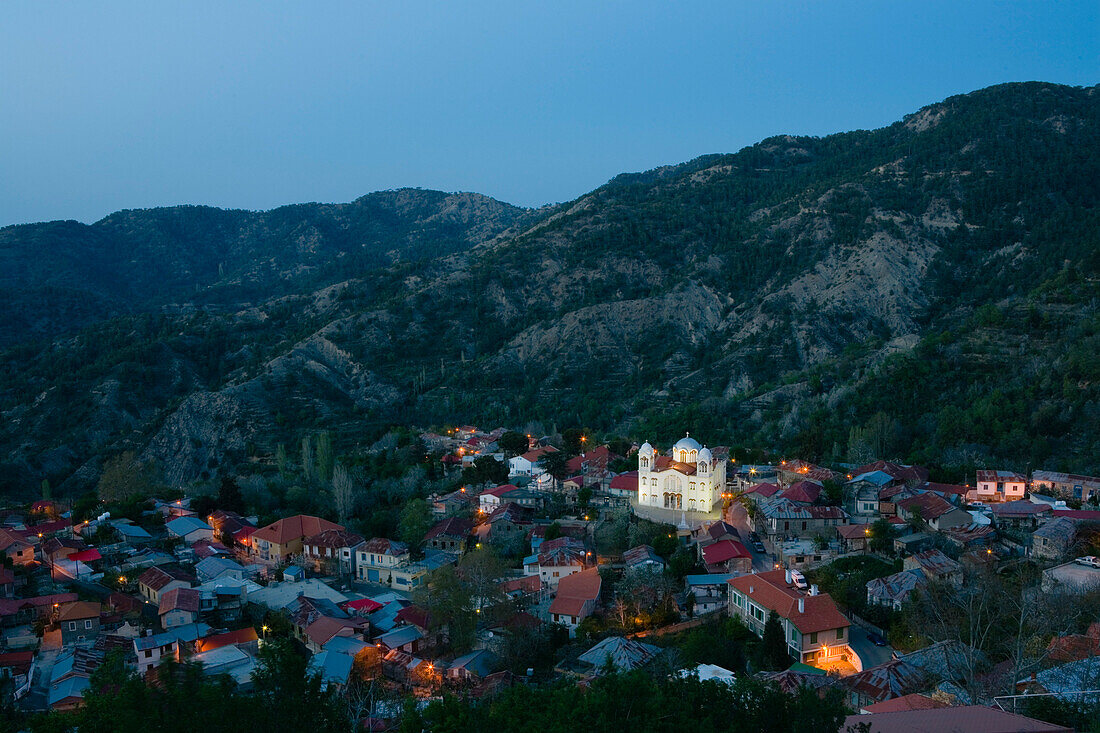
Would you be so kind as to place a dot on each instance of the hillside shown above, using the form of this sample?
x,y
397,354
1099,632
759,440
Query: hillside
x,y
931,284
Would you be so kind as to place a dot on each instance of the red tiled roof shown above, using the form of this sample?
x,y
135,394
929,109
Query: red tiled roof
x,y
853,531
451,527
385,546
764,489
914,701
896,471
804,492
533,456
1000,476
970,718
723,551
526,584
180,599
1078,514
158,577
575,589
771,591
625,481
86,555
334,538
361,605
414,615
1020,508
299,526
78,610
215,641
931,506
499,491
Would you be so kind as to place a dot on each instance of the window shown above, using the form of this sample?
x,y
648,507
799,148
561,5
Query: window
x,y
148,653
840,633
813,638
87,623
72,626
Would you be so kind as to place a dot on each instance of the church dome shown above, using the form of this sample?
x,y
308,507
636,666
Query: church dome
x,y
687,443
705,455
646,449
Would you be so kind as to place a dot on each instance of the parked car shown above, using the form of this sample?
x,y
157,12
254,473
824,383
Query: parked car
x,y
1090,560
799,579
759,547
875,639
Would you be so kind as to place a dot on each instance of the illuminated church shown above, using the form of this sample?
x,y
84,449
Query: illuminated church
x,y
690,479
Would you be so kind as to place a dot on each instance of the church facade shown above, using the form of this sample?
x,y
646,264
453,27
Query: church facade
x,y
690,478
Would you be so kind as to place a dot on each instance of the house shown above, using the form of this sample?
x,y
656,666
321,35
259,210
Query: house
x,y
19,668
899,472
156,581
450,535
214,567
1066,485
576,598
131,533
69,677
456,502
1065,680
178,607
894,590
17,547
474,666
710,591
884,682
334,668
1075,647
150,650
959,718
935,565
508,521
528,463
802,492
1053,540
1021,514
761,492
276,597
624,486
331,551
283,539
618,654
727,556
998,486
864,489
189,529
376,559
814,628
854,537
79,622
784,518
490,499
907,544
642,556
559,558
801,554
933,510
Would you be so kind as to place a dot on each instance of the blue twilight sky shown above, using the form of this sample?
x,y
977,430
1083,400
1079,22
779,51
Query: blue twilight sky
x,y
110,105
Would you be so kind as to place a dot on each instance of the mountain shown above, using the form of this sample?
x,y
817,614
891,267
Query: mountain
x,y
925,291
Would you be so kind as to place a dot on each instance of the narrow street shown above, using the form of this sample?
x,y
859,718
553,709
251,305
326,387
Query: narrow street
x,y
739,518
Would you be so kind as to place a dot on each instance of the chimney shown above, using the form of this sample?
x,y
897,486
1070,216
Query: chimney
x,y
801,605
813,590
787,575
750,590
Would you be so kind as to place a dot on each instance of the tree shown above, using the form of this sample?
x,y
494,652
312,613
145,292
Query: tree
x,y
415,521
553,531
482,570
573,441
307,457
554,463
486,470
773,645
882,537
229,495
449,602
324,455
344,493
125,477
513,443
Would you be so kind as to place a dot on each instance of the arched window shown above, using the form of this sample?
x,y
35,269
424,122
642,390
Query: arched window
x,y
645,462
694,455
702,468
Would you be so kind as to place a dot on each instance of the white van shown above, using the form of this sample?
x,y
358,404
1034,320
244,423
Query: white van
x,y
799,579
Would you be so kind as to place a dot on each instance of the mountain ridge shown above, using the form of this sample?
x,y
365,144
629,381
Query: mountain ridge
x,y
781,295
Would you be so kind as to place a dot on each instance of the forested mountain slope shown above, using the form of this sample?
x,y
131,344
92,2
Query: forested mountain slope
x,y
931,285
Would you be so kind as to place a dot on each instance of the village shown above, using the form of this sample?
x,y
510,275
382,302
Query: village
x,y
679,560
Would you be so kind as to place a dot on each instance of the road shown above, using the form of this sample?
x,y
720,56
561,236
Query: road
x,y
739,518
869,654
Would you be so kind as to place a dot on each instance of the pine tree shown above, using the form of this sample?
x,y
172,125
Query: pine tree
x,y
773,647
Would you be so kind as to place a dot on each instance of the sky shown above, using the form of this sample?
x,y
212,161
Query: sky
x,y
113,105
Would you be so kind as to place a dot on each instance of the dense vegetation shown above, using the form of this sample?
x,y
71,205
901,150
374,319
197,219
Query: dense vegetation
x,y
924,292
